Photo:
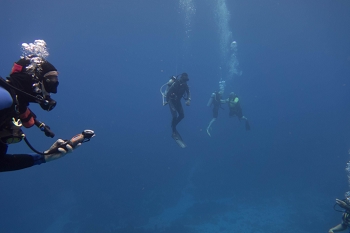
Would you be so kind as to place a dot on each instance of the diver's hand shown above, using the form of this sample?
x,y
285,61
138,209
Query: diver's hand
x,y
165,103
341,203
188,102
59,149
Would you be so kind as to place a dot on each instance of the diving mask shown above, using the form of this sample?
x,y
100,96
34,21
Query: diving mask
x,y
48,103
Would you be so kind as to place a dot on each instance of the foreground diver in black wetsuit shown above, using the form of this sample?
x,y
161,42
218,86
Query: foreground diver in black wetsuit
x,y
32,79
177,89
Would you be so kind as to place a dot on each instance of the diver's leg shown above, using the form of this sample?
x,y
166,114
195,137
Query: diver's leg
x,y
338,228
215,116
209,126
215,111
247,125
173,114
180,112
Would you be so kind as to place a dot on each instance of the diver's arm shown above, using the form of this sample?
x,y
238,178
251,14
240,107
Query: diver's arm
x,y
13,162
27,118
342,204
338,228
188,93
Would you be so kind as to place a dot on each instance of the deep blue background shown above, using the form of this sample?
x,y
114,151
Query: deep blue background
x,y
113,56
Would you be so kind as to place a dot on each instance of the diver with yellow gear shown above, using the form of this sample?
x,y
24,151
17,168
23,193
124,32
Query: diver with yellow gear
x,y
345,204
235,109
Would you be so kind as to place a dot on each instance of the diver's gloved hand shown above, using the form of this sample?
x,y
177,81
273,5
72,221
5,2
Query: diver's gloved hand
x,y
59,149
188,102
165,103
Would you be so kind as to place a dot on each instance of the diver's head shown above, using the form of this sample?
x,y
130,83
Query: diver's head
x,y
232,94
184,77
37,79
33,76
42,76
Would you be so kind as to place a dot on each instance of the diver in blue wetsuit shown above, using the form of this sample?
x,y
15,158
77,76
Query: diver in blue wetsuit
x,y
32,79
176,90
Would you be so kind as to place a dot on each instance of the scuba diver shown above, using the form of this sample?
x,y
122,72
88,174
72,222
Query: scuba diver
x,y
216,101
177,89
31,80
235,109
345,204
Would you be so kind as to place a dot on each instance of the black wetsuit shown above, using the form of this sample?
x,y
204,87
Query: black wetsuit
x,y
176,91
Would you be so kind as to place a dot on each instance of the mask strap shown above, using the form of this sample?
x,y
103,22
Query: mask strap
x,y
51,73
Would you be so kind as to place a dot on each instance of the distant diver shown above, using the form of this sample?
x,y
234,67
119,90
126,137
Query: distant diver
x,y
177,89
216,101
235,109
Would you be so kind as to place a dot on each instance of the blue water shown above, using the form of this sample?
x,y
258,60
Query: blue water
x,y
113,56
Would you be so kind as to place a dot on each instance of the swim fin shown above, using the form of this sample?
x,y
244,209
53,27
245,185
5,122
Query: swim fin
x,y
178,139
